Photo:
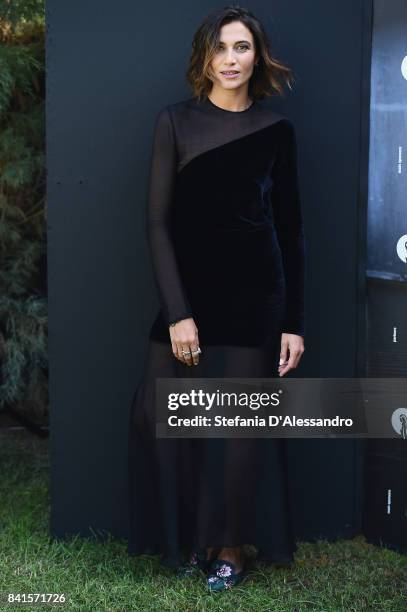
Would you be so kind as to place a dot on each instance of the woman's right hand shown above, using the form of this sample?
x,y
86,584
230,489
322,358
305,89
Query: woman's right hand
x,y
184,337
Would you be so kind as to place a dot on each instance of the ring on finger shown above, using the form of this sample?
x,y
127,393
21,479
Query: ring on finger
x,y
186,353
195,351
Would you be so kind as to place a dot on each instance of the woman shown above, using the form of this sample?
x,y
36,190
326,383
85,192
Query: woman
x,y
226,234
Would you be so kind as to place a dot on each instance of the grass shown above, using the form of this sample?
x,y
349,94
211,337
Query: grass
x,y
350,575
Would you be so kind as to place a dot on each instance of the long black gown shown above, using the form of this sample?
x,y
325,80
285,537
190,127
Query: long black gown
x,y
225,228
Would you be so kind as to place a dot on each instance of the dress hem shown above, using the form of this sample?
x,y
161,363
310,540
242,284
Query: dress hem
x,y
175,561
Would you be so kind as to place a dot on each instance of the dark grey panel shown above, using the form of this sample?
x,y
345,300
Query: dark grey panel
x,y
110,68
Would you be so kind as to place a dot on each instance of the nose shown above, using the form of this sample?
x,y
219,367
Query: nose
x,y
230,56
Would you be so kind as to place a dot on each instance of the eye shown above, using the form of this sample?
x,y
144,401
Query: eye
x,y
240,47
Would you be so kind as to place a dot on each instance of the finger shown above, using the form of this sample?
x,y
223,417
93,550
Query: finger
x,y
197,355
179,351
296,354
187,354
181,356
283,352
291,364
292,361
174,349
195,350
297,358
283,367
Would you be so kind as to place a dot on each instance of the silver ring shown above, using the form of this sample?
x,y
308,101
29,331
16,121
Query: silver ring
x,y
198,350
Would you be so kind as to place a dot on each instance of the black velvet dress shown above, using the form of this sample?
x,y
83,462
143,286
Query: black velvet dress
x,y
226,233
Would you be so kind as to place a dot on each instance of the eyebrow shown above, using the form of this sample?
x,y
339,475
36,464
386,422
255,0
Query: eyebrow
x,y
237,42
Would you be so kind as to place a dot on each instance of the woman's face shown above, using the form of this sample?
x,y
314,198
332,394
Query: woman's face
x,y
236,53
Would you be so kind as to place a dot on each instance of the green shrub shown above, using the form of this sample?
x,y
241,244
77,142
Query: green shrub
x,y
23,306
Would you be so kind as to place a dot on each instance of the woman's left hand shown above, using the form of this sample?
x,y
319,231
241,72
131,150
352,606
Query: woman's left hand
x,y
295,346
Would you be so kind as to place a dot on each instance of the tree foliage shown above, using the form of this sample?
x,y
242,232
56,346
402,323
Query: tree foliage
x,y
23,307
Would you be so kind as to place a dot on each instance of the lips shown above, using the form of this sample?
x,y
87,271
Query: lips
x,y
229,75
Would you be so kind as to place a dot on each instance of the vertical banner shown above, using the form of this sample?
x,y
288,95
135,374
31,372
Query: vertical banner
x,y
386,494
387,209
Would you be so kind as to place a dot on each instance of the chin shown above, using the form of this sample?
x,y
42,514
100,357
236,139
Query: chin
x,y
232,85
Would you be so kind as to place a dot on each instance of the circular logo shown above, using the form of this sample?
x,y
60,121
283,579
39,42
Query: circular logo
x,y
399,422
402,248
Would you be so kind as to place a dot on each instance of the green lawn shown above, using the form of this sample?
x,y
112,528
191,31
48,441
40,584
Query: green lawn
x,y
347,575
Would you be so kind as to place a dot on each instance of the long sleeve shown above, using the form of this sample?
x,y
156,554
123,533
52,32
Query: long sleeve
x,y
288,217
163,168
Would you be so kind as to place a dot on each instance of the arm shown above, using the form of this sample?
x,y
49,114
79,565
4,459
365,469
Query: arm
x,y
163,168
287,212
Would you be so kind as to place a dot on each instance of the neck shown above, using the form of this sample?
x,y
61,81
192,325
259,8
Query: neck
x,y
230,100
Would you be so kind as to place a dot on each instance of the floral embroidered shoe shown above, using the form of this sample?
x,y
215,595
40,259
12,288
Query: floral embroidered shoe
x,y
222,575
197,563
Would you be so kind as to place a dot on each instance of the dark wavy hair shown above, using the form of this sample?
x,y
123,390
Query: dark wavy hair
x,y
268,76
